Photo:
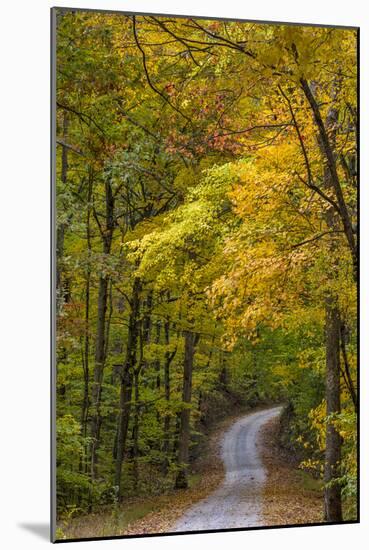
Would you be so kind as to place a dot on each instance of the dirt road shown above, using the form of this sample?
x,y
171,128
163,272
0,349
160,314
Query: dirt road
x,y
237,502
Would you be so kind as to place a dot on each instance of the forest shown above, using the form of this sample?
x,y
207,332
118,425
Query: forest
x,y
206,252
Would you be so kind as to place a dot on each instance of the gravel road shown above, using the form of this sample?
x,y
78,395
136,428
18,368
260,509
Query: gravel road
x,y
237,502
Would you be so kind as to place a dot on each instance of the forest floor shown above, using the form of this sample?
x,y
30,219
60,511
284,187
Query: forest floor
x,y
284,495
291,495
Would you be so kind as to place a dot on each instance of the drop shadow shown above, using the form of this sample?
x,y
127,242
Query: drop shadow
x,y
42,530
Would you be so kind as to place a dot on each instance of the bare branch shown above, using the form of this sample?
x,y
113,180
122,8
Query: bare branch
x,y
69,146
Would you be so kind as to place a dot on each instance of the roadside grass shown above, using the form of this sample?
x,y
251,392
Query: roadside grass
x,y
106,522
154,514
309,483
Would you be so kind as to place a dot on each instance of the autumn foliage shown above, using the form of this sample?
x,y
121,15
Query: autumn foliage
x,y
206,248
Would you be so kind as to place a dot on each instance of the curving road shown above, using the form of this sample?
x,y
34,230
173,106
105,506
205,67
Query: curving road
x,y
237,502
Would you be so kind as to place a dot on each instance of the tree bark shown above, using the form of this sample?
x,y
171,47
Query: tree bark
x,y
126,383
136,426
144,335
86,348
101,335
191,340
223,375
60,231
157,361
327,143
346,370
123,421
60,235
169,356
332,492
98,371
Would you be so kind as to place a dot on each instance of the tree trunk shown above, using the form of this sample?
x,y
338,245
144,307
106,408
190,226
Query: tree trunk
x,y
60,234
332,492
98,371
156,366
332,464
157,362
144,335
126,383
123,421
184,431
101,328
146,332
223,375
346,370
136,426
86,349
60,231
169,356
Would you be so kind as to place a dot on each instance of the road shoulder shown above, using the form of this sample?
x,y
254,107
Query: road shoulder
x,y
206,474
291,496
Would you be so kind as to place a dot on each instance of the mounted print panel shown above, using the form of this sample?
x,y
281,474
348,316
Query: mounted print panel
x,y
205,274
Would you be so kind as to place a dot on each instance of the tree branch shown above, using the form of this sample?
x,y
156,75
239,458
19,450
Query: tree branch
x,y
69,146
326,147
156,90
